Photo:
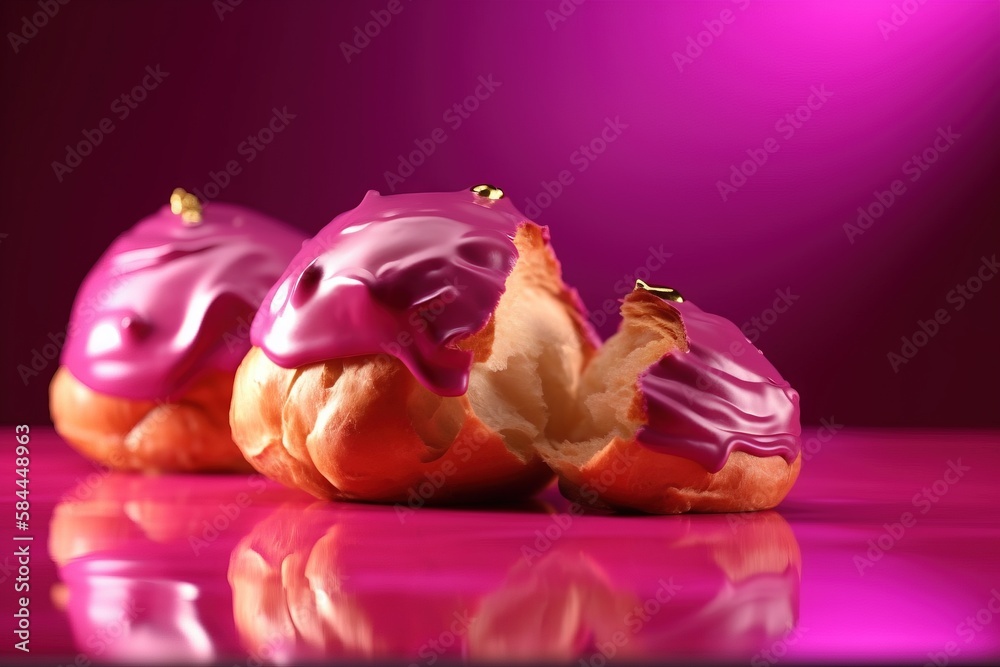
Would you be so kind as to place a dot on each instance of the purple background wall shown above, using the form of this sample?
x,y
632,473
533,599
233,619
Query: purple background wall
x,y
684,119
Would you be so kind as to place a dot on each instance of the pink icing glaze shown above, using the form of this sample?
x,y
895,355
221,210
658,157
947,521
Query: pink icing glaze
x,y
407,275
168,301
721,396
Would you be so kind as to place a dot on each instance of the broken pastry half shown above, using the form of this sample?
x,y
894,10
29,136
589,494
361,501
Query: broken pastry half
x,y
414,352
678,412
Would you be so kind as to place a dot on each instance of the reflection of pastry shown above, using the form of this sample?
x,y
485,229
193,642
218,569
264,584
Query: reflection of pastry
x,y
679,412
414,351
754,602
696,585
157,330
346,582
133,560
552,610
340,581
289,602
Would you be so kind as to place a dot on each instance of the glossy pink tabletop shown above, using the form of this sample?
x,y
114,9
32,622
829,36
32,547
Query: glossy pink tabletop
x,y
887,549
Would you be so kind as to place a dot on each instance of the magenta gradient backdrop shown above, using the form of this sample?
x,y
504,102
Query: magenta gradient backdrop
x,y
656,183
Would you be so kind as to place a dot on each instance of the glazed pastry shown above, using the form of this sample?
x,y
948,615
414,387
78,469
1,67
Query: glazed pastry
x,y
157,330
679,412
413,352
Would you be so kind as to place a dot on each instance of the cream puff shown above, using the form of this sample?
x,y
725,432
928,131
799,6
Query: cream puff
x,y
679,412
157,331
414,352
